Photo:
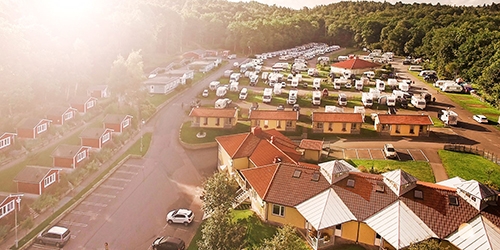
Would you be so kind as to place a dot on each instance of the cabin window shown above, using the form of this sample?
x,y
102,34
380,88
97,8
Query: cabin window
x,y
41,128
278,124
319,125
205,120
344,127
5,142
217,121
105,137
90,104
297,173
289,124
350,183
68,115
80,156
197,120
398,129
421,129
419,194
453,200
49,180
7,208
279,210
229,121
126,123
266,123
330,126
412,129
354,125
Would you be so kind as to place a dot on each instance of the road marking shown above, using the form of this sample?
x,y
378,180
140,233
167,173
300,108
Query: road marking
x,y
104,195
370,153
343,153
357,156
424,155
126,172
94,204
72,223
133,165
111,187
86,213
40,246
413,158
119,179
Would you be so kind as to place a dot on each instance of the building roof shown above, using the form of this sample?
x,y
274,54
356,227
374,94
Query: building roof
x,y
399,226
405,119
274,115
477,189
67,151
337,117
178,72
31,122
285,189
478,234
213,112
452,182
6,134
266,153
311,144
331,168
82,99
160,80
59,110
115,118
400,177
98,88
32,174
355,63
325,210
94,133
260,178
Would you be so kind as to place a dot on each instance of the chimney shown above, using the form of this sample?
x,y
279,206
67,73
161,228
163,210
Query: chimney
x,y
256,131
276,159
272,139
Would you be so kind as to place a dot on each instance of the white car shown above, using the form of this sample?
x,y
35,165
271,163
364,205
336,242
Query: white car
x,y
389,151
184,216
480,118
205,93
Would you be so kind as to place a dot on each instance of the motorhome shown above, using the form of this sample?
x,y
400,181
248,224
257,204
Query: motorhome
x,y
367,99
273,79
358,85
375,93
267,95
312,72
427,72
316,97
452,87
316,83
295,82
448,117
440,83
234,87
214,85
369,74
418,102
264,75
342,100
337,82
393,83
254,79
292,96
258,68
391,101
333,109
404,86
235,77
243,68
380,85
277,89
243,94
222,103
360,110
221,91
415,68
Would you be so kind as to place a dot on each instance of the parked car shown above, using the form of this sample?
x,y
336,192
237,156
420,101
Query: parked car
x,y
168,243
480,118
56,235
296,107
205,93
389,151
184,216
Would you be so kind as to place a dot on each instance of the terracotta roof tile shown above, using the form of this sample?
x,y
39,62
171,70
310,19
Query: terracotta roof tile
x,y
311,144
231,143
290,191
436,212
213,112
260,178
492,213
405,119
363,200
337,117
355,63
274,115
265,153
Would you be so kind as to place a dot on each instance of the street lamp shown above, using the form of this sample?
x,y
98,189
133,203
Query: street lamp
x,y
140,131
16,205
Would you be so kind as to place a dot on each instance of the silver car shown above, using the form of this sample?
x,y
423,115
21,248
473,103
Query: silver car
x,y
56,235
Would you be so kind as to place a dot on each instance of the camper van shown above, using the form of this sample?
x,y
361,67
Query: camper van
x,y
317,83
440,83
337,82
448,117
292,96
391,101
367,100
243,94
316,97
235,77
342,100
453,87
254,79
418,102
277,89
295,82
369,74
380,85
358,85
404,86
268,95
234,87
214,85
222,103
221,91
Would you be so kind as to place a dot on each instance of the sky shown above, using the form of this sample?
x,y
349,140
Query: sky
x,y
297,4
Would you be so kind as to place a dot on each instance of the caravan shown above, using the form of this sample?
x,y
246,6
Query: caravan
x,y
317,83
418,102
277,89
342,100
380,85
268,95
292,96
367,100
452,87
234,87
403,86
391,101
221,91
316,97
448,117
359,85
214,85
235,77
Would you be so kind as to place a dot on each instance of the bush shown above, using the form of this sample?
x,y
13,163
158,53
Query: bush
x,y
43,202
27,223
4,230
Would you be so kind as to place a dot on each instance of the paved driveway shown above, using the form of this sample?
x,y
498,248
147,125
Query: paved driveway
x,y
378,154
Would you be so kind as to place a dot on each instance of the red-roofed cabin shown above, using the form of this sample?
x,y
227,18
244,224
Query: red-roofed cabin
x,y
337,123
36,179
84,103
403,125
59,115
70,156
117,123
7,140
213,118
32,128
7,205
281,120
99,91
95,137
312,149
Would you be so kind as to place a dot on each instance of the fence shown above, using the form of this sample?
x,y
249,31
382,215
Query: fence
x,y
473,150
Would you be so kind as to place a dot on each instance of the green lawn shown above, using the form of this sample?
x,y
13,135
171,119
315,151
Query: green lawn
x,y
188,133
469,166
420,169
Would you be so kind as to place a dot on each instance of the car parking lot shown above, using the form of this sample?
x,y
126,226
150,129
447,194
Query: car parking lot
x,y
378,154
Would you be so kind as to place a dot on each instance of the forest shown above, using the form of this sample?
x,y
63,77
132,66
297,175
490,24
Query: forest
x,y
52,51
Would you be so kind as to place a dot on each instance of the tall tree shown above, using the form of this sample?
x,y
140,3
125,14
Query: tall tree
x,y
220,232
285,238
218,192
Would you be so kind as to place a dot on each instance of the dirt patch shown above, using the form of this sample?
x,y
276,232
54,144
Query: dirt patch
x,y
477,106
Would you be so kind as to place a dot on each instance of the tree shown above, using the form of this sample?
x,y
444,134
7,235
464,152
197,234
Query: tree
x,y
284,239
219,232
218,192
430,244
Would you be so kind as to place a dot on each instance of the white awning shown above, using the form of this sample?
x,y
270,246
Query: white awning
x,y
325,210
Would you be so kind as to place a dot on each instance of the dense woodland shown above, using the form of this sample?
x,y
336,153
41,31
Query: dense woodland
x,y
48,55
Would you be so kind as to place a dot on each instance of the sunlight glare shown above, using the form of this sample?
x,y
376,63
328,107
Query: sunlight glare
x,y
70,9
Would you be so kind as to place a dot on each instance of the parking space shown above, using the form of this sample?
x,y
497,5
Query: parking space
x,y
378,154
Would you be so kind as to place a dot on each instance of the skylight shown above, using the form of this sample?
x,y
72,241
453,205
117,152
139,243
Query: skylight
x,y
297,173
419,194
350,183
315,176
453,200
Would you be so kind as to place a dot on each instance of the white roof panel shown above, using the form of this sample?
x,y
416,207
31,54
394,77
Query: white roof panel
x,y
478,234
400,177
399,226
452,182
477,189
325,210
330,168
